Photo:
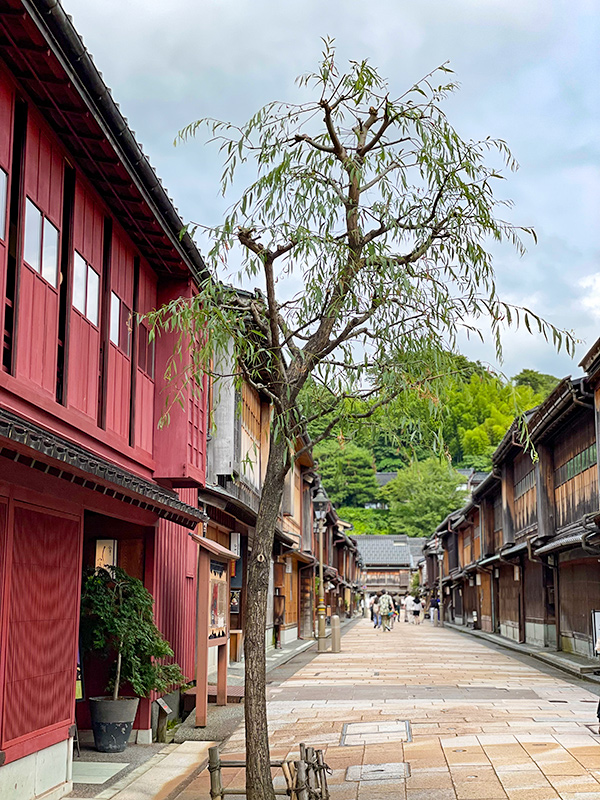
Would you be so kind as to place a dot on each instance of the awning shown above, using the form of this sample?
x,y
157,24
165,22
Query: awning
x,y
513,551
567,541
214,548
489,560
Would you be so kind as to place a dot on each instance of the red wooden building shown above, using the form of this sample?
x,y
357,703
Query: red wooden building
x,y
88,238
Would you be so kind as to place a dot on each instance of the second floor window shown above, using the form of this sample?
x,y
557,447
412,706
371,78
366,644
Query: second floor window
x,y
86,289
120,324
40,249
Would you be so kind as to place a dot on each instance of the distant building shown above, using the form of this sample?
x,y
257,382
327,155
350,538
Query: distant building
x,y
388,561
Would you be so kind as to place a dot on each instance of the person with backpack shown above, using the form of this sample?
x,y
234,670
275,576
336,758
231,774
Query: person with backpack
x,y
386,609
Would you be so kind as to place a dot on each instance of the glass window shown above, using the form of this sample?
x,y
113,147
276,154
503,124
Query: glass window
x,y
93,295
50,253
79,282
115,313
33,236
3,202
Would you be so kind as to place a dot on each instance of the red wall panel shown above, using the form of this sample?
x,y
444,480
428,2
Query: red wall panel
x,y
118,385
44,166
144,401
84,337
42,623
175,589
118,392
37,321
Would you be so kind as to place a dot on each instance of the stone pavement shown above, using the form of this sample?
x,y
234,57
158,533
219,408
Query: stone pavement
x,y
464,721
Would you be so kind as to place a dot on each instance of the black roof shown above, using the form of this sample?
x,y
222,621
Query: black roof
x,y
388,551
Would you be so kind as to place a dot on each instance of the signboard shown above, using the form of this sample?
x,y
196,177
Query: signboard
x,y
217,622
596,632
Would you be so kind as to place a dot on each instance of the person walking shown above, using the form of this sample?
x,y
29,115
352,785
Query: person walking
x,y
386,609
433,610
408,607
376,615
417,607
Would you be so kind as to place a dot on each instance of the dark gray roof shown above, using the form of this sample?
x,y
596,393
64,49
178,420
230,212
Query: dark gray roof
x,y
384,477
384,551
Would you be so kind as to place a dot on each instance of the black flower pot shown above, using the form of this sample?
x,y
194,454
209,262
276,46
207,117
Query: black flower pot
x,y
112,721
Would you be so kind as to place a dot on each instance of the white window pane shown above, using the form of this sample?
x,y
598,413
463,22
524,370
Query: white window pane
x,y
50,253
79,278
3,202
33,236
93,293
115,313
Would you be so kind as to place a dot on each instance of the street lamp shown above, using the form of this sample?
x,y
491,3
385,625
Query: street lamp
x,y
321,504
440,557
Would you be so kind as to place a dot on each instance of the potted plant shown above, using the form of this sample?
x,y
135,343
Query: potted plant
x,y
117,621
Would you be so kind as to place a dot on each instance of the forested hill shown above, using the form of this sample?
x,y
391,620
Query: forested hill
x,y
476,410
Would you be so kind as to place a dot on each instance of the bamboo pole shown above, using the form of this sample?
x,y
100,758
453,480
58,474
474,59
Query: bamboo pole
x,y
214,768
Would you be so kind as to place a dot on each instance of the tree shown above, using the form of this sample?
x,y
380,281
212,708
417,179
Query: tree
x,y
375,207
540,382
422,495
366,520
348,473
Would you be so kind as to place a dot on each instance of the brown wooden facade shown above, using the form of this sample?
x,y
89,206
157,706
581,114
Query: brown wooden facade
x,y
521,558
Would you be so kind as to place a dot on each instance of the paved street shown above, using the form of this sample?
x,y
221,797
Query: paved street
x,y
467,721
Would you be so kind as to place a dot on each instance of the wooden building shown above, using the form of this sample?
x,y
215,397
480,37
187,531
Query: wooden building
x,y
521,559
387,563
88,239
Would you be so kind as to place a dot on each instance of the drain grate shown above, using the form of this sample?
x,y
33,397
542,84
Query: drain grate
x,y
398,771
358,733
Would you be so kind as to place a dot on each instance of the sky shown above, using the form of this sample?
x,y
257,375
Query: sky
x,y
529,73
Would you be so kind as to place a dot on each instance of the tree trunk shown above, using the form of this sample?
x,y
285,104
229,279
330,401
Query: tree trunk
x,y
259,785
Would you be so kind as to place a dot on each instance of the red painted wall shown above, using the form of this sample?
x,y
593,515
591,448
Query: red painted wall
x,y
37,325
175,560
84,335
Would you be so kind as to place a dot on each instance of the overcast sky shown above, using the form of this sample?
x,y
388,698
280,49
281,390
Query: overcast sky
x,y
529,73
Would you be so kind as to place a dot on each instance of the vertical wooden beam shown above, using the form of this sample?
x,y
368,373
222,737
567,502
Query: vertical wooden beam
x,y
544,479
202,638
222,674
508,503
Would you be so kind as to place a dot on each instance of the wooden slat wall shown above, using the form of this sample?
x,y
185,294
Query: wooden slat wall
x,y
84,337
37,319
579,495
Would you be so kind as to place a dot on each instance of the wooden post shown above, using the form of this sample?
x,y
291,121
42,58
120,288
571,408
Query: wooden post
x,y
301,783
544,479
202,612
222,674
508,503
214,768
322,775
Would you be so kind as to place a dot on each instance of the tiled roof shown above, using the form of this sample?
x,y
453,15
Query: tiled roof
x,y
384,477
384,550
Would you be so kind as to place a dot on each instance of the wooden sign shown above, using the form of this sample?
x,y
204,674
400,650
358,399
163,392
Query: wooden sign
x,y
218,616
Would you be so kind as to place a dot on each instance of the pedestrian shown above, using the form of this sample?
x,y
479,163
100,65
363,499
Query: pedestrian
x,y
408,607
386,609
371,601
417,607
433,610
376,615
